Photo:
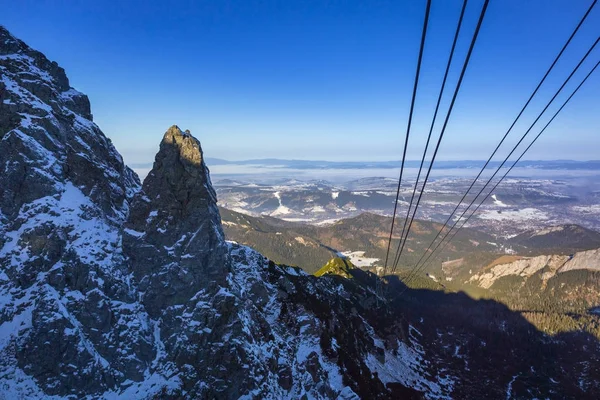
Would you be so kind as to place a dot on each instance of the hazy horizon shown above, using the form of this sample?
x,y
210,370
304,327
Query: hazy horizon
x,y
317,81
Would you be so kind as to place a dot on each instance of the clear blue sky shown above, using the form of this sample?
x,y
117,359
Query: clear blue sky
x,y
312,79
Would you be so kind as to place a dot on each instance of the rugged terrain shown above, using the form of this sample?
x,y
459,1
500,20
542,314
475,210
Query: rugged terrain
x,y
110,288
114,289
519,203
364,240
555,287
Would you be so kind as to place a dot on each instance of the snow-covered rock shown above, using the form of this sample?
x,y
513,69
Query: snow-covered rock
x,y
110,289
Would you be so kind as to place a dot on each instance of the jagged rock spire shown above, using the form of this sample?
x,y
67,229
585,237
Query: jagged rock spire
x,y
180,181
175,234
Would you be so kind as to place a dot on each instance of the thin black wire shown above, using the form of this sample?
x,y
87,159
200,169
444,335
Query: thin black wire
x,y
410,115
509,130
437,147
437,107
518,143
515,163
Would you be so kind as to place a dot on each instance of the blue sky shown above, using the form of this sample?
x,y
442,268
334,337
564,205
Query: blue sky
x,y
314,79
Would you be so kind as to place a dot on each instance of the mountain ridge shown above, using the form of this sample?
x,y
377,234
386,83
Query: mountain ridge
x,y
309,164
114,289
111,288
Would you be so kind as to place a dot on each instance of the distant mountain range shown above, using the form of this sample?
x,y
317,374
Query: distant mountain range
x,y
362,238
114,289
461,164
518,204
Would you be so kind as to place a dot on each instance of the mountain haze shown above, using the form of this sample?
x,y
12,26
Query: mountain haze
x,y
110,288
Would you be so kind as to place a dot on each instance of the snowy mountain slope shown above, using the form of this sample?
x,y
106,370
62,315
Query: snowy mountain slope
x,y
65,289
112,290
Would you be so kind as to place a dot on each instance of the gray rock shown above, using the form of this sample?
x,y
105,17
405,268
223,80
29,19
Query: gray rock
x,y
64,196
110,288
182,250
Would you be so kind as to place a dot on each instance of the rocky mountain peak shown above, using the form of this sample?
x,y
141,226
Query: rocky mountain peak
x,y
113,290
48,136
10,45
64,196
179,178
178,193
178,215
45,79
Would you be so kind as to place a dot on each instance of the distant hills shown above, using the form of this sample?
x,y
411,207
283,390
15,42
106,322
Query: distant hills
x,y
558,239
460,164
310,246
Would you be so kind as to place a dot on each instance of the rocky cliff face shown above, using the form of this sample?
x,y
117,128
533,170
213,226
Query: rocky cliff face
x,y
174,236
112,289
548,265
109,288
66,295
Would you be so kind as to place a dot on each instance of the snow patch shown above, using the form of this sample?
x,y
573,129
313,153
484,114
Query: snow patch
x,y
524,214
358,258
498,202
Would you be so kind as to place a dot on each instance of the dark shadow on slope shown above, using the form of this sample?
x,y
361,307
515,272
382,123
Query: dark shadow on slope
x,y
331,249
492,351
489,346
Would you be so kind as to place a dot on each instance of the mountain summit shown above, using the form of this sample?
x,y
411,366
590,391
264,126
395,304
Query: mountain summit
x,y
175,240
179,179
113,289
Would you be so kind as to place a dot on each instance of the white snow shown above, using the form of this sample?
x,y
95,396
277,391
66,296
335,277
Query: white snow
x,y
20,321
153,214
91,238
327,222
134,233
498,202
591,209
509,387
406,366
281,210
512,215
358,258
